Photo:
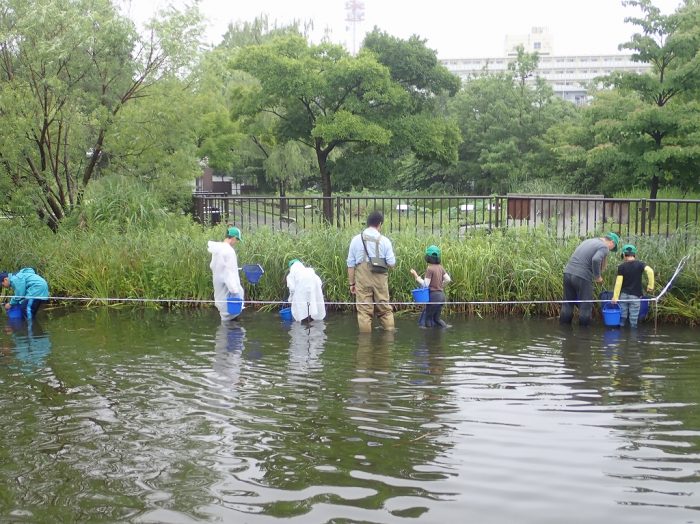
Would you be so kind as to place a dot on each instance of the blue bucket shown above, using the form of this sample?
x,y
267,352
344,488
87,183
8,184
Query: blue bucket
x,y
286,314
15,312
421,294
253,272
234,305
611,315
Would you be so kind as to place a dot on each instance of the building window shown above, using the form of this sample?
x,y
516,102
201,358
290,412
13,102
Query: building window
x,y
537,45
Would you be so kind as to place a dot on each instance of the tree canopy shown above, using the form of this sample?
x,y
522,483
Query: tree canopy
x,y
332,102
659,133
69,69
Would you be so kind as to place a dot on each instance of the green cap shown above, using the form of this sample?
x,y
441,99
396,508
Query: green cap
x,y
616,239
433,251
292,261
234,232
629,249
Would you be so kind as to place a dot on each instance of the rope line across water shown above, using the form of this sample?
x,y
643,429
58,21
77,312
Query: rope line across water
x,y
655,299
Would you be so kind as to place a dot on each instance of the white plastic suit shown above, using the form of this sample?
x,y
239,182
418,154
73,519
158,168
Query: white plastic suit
x,y
305,293
225,277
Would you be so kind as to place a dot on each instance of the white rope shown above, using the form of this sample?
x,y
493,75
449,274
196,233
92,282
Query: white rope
x,y
680,266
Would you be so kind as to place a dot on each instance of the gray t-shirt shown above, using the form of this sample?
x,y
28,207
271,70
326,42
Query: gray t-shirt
x,y
587,259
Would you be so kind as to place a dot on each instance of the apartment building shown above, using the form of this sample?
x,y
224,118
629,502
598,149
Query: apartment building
x,y
569,76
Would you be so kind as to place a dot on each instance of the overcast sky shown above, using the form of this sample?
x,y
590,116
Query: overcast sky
x,y
454,28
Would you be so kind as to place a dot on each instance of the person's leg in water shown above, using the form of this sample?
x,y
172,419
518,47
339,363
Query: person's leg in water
x,y
567,308
434,309
423,318
624,310
634,307
585,295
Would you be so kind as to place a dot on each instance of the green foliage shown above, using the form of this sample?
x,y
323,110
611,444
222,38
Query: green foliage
x,y
287,165
503,123
413,66
167,262
120,202
337,103
70,69
655,136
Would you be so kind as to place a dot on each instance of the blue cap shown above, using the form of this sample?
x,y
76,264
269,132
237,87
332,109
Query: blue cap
x,y
4,275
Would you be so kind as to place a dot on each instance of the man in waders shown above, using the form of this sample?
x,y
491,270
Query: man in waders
x,y
585,266
369,258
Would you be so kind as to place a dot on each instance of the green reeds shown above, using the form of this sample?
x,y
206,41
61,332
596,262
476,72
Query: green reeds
x,y
169,261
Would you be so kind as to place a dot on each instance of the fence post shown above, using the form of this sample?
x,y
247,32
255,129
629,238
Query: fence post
x,y
498,211
643,225
337,212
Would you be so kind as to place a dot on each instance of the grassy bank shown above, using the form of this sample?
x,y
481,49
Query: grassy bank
x,y
169,261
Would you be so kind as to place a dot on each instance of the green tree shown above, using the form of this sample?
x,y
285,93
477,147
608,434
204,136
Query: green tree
x,y
660,134
422,133
331,101
503,119
68,70
287,165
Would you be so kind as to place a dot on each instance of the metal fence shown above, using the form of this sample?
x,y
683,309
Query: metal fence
x,y
456,215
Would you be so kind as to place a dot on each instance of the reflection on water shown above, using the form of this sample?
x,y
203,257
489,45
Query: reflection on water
x,y
177,417
26,343
229,344
306,343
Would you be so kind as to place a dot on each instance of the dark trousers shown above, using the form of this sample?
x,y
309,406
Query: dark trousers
x,y
577,288
36,303
430,317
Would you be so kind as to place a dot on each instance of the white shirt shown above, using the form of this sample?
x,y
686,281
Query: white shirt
x,y
357,254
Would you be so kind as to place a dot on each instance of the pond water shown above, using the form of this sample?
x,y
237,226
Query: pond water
x,y
116,416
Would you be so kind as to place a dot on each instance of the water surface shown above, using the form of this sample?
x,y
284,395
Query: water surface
x,y
114,416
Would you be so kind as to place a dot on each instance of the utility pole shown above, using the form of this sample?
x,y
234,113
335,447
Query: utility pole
x,y
355,14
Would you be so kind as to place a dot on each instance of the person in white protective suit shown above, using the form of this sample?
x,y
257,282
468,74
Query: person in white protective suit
x,y
224,270
305,293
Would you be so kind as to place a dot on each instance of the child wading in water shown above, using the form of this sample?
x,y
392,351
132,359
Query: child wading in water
x,y
435,279
628,285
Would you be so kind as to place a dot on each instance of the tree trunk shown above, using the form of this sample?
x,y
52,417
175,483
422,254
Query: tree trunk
x,y
653,193
325,185
284,203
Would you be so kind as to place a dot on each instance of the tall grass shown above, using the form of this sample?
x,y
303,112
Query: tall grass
x,y
168,261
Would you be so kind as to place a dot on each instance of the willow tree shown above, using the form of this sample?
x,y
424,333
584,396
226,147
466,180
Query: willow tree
x,y
67,71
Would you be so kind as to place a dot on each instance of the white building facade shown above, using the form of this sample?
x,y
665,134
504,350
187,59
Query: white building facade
x,y
569,76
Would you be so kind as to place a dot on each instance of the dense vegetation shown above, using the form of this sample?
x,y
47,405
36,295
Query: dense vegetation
x,y
143,257
105,127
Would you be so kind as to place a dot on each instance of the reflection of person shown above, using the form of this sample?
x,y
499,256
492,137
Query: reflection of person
x,y
628,285
435,279
606,363
306,343
31,344
369,284
585,266
229,343
429,360
374,353
305,292
30,290
224,269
